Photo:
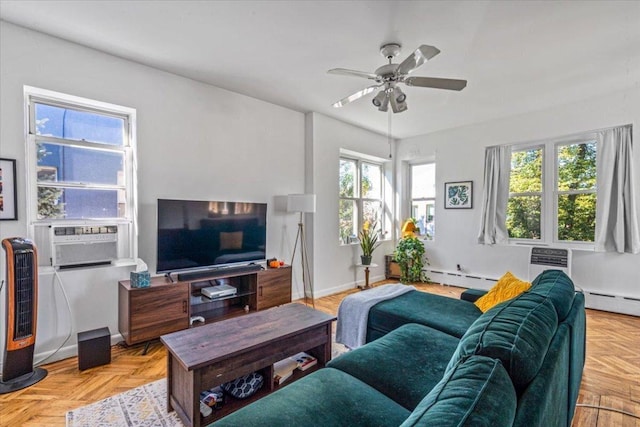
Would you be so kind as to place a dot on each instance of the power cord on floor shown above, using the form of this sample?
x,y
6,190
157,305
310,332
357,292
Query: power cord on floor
x,y
606,408
66,298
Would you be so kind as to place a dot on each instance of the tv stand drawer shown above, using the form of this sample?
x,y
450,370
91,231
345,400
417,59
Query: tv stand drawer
x,y
147,313
274,287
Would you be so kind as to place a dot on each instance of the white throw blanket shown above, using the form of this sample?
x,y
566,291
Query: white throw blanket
x,y
353,312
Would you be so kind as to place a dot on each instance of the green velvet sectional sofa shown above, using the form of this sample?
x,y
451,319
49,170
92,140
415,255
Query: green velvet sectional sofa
x,y
437,361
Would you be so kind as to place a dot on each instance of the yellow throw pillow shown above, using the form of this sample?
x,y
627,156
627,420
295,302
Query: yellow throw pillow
x,y
509,286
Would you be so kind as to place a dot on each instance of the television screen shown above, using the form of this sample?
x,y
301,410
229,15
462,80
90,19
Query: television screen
x,y
198,234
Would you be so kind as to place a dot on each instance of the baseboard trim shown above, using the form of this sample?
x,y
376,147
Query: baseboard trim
x,y
346,286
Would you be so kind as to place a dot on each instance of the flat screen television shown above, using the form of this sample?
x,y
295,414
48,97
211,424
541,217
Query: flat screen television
x,y
194,234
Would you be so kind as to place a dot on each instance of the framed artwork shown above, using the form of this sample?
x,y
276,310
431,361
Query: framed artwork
x,y
8,190
458,195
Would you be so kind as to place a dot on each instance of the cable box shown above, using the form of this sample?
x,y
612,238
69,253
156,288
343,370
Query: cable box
x,y
218,291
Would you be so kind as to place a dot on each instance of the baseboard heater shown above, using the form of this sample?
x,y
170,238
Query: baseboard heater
x,y
458,278
613,303
594,300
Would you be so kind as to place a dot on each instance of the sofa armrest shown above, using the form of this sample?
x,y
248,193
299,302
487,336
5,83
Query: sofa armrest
x,y
472,295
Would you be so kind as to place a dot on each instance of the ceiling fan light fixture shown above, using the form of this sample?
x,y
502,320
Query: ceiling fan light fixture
x,y
390,75
398,107
379,99
385,104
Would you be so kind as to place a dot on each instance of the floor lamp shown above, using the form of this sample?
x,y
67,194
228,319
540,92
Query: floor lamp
x,y
303,203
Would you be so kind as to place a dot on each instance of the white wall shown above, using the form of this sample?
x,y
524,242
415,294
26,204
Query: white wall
x,y
334,264
459,155
195,141
198,141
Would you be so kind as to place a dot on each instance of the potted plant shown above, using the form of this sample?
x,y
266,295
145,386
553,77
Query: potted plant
x,y
409,255
368,241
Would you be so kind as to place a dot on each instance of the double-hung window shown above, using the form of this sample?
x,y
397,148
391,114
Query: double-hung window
x,y
360,197
423,198
524,209
80,161
575,189
552,192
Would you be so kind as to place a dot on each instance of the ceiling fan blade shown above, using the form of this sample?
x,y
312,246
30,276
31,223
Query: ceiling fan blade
x,y
450,84
359,94
353,73
417,58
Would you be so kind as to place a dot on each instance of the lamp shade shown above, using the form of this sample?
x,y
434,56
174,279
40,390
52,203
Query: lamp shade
x,y
301,203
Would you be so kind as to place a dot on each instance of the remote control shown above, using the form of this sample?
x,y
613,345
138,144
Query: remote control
x,y
205,410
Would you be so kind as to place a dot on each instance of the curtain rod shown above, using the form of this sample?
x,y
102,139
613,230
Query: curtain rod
x,y
567,136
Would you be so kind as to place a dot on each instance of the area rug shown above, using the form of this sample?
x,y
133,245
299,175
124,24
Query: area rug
x,y
144,406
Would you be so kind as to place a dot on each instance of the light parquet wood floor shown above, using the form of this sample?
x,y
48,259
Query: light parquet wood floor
x,y
611,377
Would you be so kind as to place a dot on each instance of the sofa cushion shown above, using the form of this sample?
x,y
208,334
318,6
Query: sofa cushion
x,y
404,365
577,323
545,401
327,397
475,392
472,294
517,332
449,315
558,287
508,287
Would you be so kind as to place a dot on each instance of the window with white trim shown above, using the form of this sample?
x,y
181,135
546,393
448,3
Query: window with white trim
x,y
80,161
360,197
423,198
552,192
524,208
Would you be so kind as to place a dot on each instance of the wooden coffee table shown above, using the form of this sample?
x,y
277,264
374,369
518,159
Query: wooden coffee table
x,y
206,356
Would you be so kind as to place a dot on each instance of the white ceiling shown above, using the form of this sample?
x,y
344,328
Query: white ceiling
x,y
517,56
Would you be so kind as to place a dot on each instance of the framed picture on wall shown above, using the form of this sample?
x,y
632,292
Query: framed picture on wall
x,y
8,190
458,195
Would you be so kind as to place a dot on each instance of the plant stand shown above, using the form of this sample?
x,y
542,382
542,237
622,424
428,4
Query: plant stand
x,y
366,275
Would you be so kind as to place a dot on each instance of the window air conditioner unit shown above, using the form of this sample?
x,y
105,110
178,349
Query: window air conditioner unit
x,y
545,258
79,246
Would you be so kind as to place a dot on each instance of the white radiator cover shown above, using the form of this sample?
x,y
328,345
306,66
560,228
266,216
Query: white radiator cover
x,y
593,299
464,280
613,303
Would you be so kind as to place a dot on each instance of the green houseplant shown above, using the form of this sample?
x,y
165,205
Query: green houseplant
x,y
409,255
368,241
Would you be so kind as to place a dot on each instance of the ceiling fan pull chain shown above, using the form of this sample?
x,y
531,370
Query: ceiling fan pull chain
x,y
389,133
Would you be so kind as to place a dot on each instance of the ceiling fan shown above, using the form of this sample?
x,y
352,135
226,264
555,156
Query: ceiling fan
x,y
388,76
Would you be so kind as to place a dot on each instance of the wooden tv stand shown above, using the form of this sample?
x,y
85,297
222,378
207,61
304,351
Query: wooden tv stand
x,y
167,306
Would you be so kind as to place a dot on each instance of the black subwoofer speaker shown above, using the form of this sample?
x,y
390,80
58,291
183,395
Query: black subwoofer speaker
x,y
94,348
21,315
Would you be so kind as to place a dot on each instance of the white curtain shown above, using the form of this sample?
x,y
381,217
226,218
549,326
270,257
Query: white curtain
x,y
497,168
616,212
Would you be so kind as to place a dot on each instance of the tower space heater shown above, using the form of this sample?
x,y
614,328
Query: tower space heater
x,y
21,315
